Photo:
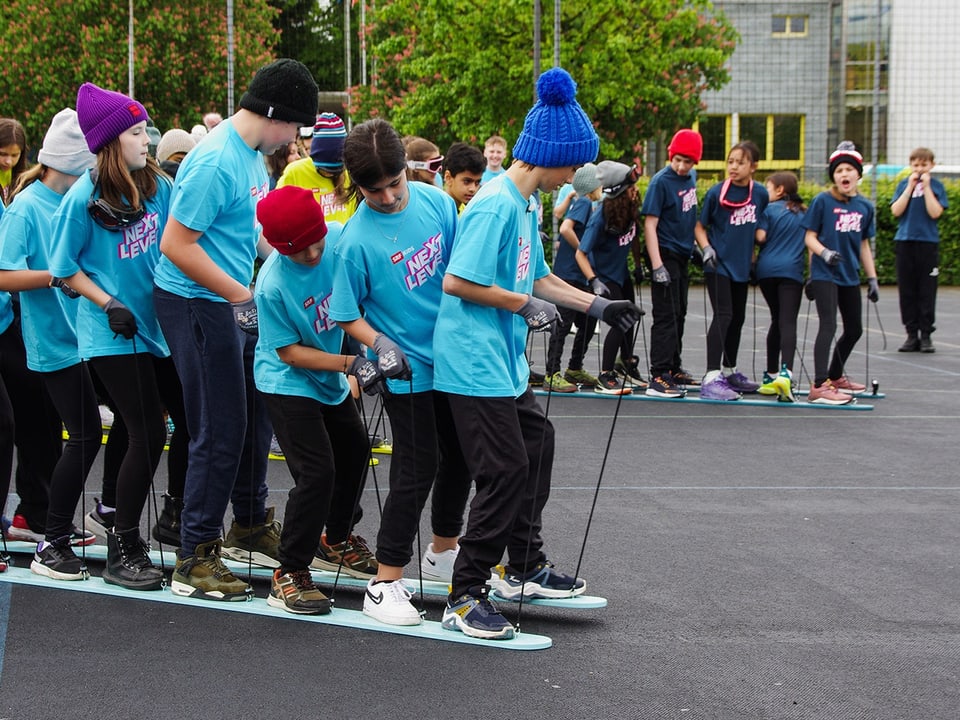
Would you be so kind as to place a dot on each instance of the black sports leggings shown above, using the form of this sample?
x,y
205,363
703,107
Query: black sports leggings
x,y
830,298
783,297
729,301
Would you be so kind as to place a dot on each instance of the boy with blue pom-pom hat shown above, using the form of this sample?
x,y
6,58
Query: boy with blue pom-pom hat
x,y
497,287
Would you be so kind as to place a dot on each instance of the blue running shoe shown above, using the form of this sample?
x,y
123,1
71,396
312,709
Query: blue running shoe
x,y
541,582
476,616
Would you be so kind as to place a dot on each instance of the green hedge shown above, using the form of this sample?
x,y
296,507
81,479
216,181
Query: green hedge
x,y
886,227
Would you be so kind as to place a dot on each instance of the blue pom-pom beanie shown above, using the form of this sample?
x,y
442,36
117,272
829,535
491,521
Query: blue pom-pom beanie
x,y
556,131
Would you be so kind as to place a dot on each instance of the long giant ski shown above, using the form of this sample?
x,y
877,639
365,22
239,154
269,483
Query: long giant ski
x,y
430,588
430,630
694,398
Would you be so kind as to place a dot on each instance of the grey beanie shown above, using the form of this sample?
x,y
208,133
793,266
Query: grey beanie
x,y
173,142
585,180
65,147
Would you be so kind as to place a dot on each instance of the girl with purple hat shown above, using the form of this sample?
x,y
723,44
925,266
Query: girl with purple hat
x,y
106,246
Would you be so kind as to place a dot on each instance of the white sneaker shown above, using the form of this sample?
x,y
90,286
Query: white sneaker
x,y
389,602
438,566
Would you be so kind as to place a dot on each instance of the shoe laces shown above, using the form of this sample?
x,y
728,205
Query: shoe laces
x,y
398,592
302,580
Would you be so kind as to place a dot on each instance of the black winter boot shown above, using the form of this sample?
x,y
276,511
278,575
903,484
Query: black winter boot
x,y
128,562
167,529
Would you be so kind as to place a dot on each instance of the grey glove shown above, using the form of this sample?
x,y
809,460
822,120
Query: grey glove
x,y
661,275
599,287
830,257
368,375
246,317
64,288
873,290
621,314
391,359
121,320
709,258
539,314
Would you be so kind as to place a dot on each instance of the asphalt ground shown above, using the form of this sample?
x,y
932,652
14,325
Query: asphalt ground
x,y
759,563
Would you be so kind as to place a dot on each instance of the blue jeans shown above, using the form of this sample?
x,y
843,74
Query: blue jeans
x,y
228,423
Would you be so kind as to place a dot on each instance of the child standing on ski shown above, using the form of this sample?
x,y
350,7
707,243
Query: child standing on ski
x,y
725,233
497,287
839,225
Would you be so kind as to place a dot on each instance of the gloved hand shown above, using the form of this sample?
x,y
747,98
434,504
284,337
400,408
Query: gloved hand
x,y
873,290
121,320
621,314
808,290
599,287
709,258
391,360
830,257
64,288
367,374
661,275
246,317
638,275
539,314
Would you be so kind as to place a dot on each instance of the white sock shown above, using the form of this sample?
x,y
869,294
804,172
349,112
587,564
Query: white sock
x,y
710,376
728,371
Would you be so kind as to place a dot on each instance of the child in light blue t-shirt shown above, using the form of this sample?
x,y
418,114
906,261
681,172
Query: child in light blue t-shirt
x,y
302,377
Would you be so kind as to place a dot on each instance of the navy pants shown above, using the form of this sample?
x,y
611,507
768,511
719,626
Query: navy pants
x,y
226,419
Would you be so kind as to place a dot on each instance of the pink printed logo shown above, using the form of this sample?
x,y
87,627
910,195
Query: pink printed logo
x,y
423,264
396,257
138,239
322,321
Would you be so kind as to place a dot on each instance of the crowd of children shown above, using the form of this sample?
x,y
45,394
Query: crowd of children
x,y
398,271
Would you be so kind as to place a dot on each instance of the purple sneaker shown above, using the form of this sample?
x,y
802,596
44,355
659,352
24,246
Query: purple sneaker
x,y
718,389
741,383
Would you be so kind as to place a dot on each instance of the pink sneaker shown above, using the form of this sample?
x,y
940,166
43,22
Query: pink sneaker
x,y
845,384
827,394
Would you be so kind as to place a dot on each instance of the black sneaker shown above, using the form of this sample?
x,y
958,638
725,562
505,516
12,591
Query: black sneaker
x,y
630,370
683,377
926,344
609,383
911,344
663,386
99,522
58,561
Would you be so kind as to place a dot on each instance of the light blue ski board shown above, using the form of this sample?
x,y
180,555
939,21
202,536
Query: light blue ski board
x,y
430,587
428,629
745,401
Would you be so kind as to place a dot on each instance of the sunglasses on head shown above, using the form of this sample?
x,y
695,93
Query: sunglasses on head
x,y
432,165
106,215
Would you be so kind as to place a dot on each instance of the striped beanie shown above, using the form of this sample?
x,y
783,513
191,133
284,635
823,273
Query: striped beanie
x,y
326,148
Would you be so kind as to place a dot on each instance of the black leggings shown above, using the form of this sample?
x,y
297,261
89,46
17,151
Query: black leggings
x,y
72,393
783,297
616,340
132,383
728,299
171,393
830,298
6,422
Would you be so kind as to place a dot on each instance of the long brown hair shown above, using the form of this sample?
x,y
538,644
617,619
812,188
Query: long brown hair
x,y
12,133
620,212
118,185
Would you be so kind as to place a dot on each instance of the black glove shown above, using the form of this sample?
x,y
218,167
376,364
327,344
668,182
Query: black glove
x,y
246,317
873,290
367,374
638,275
121,320
621,314
709,258
64,288
599,287
696,257
391,359
660,275
808,291
539,314
830,257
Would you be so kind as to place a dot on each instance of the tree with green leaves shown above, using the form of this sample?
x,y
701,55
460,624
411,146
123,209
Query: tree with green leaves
x,y
50,48
450,71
